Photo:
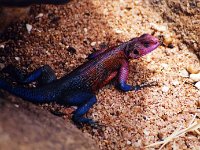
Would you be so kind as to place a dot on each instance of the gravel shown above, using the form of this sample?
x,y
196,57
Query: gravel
x,y
131,120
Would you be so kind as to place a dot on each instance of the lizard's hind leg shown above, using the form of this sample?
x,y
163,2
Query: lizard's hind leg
x,y
84,101
42,75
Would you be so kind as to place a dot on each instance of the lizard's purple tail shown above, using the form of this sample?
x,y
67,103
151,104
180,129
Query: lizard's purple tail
x,y
29,94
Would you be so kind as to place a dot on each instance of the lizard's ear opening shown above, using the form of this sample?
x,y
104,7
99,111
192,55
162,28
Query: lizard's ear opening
x,y
131,51
134,54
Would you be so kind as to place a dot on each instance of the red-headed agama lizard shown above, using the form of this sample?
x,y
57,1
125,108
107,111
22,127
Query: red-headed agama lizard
x,y
78,87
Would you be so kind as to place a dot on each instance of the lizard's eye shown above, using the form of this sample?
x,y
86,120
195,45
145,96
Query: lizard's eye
x,y
136,52
146,44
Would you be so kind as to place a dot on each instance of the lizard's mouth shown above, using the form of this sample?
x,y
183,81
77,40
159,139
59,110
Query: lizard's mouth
x,y
153,47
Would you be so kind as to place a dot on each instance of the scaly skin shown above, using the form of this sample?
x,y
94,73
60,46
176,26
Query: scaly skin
x,y
78,87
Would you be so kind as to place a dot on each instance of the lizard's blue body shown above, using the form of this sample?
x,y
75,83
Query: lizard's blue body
x,y
78,87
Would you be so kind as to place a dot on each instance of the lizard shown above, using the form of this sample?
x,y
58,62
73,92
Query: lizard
x,y
78,87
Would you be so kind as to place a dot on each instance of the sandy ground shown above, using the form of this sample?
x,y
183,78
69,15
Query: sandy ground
x,y
135,119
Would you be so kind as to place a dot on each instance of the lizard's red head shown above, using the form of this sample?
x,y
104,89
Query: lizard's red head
x,y
141,46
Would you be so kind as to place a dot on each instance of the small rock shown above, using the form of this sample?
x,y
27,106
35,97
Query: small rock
x,y
197,85
146,132
126,97
72,50
170,46
48,53
85,30
148,58
136,2
157,27
16,105
165,66
175,82
184,73
2,46
118,31
195,77
165,88
29,28
167,40
17,58
2,65
39,15
192,69
83,56
128,142
93,44
138,143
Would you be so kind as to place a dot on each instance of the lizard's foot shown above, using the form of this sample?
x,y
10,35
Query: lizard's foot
x,y
143,85
80,121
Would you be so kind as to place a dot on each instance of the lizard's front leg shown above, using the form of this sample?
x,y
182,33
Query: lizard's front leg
x,y
123,75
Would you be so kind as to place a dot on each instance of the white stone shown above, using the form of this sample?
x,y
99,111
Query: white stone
x,y
175,82
195,77
29,28
128,142
118,30
184,73
146,132
197,85
17,58
93,44
85,30
2,65
2,46
165,66
165,88
16,105
157,27
39,15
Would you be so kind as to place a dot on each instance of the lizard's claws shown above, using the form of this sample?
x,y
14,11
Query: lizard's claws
x,y
97,125
149,84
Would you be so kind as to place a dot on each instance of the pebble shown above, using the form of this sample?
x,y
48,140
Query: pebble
x,y
16,105
157,27
128,142
138,143
2,46
175,82
148,58
93,44
118,31
165,88
167,40
146,132
29,28
17,58
192,69
71,49
2,65
184,73
39,15
48,53
85,30
165,66
197,85
195,77
126,97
